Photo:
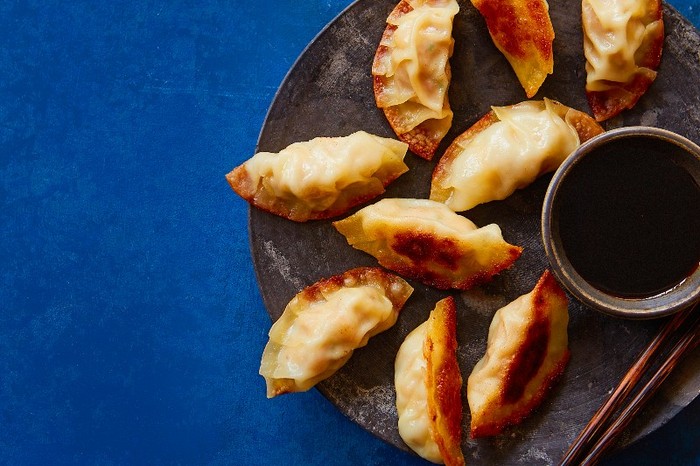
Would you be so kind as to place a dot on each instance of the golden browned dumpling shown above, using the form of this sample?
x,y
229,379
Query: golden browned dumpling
x,y
523,32
320,178
425,240
622,41
325,322
428,388
507,150
412,73
527,351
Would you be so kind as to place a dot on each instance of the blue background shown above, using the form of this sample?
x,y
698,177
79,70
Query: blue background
x,y
131,325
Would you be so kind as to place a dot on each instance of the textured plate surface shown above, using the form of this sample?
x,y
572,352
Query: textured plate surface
x,y
328,92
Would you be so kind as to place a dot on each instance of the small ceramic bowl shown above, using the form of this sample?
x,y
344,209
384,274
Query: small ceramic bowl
x,y
610,222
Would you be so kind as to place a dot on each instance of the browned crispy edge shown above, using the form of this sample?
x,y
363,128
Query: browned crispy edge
x,y
546,285
442,169
241,182
610,103
444,253
511,32
397,290
585,126
444,381
419,139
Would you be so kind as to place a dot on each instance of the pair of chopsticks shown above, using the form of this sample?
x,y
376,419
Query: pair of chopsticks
x,y
601,432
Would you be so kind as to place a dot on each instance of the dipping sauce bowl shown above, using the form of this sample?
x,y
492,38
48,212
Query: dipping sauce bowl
x,y
621,222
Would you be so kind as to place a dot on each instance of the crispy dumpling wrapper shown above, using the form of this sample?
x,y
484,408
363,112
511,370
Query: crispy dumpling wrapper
x,y
321,178
325,322
429,388
523,32
507,150
426,241
411,72
622,42
526,352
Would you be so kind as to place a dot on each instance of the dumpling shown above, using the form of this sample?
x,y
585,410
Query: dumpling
x,y
325,322
622,42
429,388
412,73
425,240
523,32
507,150
320,178
526,353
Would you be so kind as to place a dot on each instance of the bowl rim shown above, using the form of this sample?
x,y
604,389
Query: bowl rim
x,y
663,304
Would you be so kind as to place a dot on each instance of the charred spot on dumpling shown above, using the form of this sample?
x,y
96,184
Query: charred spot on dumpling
x,y
523,32
541,21
508,385
502,22
425,240
528,359
437,262
441,263
424,248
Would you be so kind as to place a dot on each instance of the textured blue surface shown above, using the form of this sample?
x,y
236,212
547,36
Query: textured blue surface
x,y
131,325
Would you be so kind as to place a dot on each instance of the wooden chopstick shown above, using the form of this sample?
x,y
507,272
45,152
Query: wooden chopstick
x,y
685,344
589,436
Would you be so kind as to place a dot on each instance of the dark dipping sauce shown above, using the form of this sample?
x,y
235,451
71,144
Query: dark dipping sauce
x,y
629,217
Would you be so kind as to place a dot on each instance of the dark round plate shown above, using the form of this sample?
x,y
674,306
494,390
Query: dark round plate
x,y
328,92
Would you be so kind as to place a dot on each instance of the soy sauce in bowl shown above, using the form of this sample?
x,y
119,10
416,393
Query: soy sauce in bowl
x,y
629,218
621,222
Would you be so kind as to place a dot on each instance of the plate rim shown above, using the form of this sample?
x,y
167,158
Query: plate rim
x,y
626,441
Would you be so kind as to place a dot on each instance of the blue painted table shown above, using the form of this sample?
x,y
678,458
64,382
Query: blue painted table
x,y
131,324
